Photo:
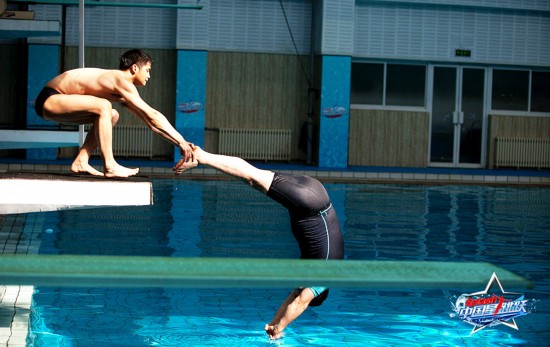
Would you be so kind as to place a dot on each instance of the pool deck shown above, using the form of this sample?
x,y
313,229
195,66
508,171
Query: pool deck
x,y
15,301
358,174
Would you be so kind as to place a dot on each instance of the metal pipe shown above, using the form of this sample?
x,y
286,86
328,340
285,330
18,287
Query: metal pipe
x,y
81,33
81,135
108,4
311,90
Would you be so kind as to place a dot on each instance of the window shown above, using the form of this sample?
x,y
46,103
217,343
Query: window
x,y
511,90
388,84
540,92
405,85
367,84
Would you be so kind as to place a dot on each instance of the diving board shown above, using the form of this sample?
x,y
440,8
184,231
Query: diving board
x,y
17,139
139,271
39,192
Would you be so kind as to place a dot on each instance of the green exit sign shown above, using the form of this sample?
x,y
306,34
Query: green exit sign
x,y
463,53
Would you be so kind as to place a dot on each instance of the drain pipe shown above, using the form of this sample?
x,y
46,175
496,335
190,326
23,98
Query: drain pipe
x,y
311,90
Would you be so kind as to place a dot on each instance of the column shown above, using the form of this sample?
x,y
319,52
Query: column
x,y
191,96
336,30
334,120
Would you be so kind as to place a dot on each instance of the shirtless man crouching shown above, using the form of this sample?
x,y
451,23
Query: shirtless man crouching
x,y
85,95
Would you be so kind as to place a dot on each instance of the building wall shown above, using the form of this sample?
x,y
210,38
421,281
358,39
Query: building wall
x,y
12,87
515,126
496,32
257,91
11,114
388,138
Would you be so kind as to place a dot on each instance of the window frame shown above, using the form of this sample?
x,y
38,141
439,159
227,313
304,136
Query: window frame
x,y
384,106
504,112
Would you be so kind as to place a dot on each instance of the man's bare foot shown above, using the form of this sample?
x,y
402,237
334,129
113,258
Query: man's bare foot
x,y
119,171
83,167
182,166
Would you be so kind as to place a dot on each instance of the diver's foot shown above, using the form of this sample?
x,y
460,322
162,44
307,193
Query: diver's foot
x,y
182,166
83,167
120,171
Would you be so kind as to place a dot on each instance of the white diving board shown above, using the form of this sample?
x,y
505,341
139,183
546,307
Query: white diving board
x,y
39,192
18,139
181,272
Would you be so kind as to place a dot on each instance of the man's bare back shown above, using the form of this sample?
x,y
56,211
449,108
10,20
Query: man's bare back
x,y
90,81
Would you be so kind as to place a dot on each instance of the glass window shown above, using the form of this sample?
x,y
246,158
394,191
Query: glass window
x,y
405,85
367,83
540,91
510,90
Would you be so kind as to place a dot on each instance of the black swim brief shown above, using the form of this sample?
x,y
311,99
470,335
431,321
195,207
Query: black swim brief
x,y
44,94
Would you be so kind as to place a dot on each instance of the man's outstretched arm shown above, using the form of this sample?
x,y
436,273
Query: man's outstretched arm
x,y
158,123
155,120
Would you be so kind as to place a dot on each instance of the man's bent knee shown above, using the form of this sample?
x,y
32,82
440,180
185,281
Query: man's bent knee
x,y
104,107
114,116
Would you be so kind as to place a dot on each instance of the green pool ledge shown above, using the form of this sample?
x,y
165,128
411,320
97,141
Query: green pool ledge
x,y
143,271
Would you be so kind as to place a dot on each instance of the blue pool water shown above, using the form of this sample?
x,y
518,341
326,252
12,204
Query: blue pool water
x,y
509,227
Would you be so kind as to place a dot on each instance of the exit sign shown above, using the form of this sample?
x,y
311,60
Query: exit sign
x,y
463,53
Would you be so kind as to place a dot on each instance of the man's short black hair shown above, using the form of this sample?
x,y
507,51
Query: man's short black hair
x,y
134,56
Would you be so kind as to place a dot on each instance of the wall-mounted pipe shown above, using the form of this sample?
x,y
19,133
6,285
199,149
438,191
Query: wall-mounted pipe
x,y
107,3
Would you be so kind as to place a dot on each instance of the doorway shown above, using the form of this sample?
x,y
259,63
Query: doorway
x,y
457,116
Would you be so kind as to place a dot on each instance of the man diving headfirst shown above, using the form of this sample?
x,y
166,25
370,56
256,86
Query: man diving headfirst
x,y
312,217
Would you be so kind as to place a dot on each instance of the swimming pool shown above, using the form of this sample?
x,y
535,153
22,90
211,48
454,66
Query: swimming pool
x,y
505,226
